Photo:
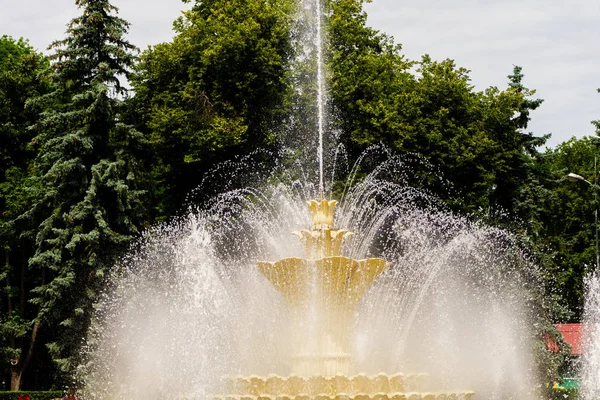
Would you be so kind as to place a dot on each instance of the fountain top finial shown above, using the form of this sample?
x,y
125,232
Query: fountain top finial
x,y
322,213
323,240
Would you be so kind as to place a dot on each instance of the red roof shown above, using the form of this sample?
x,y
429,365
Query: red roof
x,y
572,334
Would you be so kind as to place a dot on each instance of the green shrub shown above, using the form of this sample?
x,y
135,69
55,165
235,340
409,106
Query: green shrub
x,y
35,395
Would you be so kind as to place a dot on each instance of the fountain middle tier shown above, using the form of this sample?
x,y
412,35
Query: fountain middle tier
x,y
322,294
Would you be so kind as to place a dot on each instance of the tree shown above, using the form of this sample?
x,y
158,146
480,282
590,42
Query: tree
x,y
21,77
89,203
20,67
370,80
520,151
216,91
566,216
476,139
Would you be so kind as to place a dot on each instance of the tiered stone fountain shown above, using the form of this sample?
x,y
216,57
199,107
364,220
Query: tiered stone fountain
x,y
323,291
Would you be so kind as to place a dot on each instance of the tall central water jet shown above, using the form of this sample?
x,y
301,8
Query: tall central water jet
x,y
320,94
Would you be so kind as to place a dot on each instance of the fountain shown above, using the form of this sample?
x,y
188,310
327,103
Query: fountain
x,y
191,316
405,286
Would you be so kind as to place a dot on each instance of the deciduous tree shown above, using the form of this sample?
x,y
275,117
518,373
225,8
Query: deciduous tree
x,y
216,91
477,139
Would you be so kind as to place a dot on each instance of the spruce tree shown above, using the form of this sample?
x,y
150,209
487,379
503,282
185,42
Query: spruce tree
x,y
88,172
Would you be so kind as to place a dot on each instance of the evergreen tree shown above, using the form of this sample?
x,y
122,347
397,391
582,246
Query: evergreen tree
x,y
519,150
89,206
20,78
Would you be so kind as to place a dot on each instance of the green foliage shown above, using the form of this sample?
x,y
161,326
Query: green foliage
x,y
35,395
371,80
476,138
21,76
20,79
20,66
89,202
564,214
216,91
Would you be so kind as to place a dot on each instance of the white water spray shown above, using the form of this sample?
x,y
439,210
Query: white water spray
x,y
320,94
190,306
590,371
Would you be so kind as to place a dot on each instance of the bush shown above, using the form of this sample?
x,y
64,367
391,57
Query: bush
x,y
35,395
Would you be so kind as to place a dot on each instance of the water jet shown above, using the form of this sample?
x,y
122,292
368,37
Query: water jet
x,y
590,363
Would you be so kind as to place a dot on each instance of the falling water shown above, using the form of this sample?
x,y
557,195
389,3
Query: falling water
x,y
189,306
590,368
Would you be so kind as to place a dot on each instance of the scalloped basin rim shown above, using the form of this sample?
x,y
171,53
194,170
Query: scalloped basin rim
x,y
362,260
452,395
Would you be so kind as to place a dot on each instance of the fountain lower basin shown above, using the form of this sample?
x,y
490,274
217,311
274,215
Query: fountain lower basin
x,y
339,387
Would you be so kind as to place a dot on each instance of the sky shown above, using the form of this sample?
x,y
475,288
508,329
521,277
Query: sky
x,y
555,41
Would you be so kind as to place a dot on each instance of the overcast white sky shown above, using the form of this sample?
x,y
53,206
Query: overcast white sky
x,y
557,43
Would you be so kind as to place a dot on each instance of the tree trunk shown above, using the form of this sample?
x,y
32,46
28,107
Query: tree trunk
x,y
17,370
